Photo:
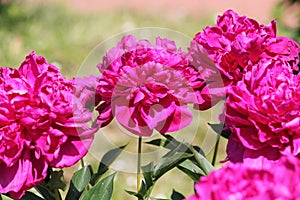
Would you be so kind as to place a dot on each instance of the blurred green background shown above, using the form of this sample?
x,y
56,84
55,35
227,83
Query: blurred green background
x,y
65,37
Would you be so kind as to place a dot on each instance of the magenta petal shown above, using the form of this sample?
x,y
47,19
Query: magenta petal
x,y
71,151
37,172
295,123
105,114
235,150
13,178
29,68
264,158
26,173
181,118
139,96
158,114
296,145
132,120
247,137
193,197
80,130
85,89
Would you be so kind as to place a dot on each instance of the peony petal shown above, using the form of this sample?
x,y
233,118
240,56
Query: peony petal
x,y
30,68
235,150
37,172
15,176
264,158
131,119
181,118
247,136
71,151
105,114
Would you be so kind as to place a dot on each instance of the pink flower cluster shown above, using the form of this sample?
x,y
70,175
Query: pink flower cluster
x,y
42,124
147,87
241,182
258,71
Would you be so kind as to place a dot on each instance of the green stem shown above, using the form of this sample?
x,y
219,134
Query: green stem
x,y
216,150
82,162
139,164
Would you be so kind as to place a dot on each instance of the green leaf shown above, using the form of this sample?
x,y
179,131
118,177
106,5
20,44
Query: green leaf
x,y
49,188
57,181
170,143
192,170
167,163
219,129
175,144
180,147
106,161
102,190
143,189
177,196
79,182
199,150
44,191
158,142
198,156
147,173
138,195
202,162
147,183
29,196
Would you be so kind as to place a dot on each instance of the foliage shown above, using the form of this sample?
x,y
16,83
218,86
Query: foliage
x,y
185,157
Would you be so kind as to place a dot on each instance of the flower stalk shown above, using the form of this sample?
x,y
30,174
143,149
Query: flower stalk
x,y
216,150
139,164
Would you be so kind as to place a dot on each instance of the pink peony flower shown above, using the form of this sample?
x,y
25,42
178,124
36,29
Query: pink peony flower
x,y
256,67
241,182
147,87
263,113
235,44
42,124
